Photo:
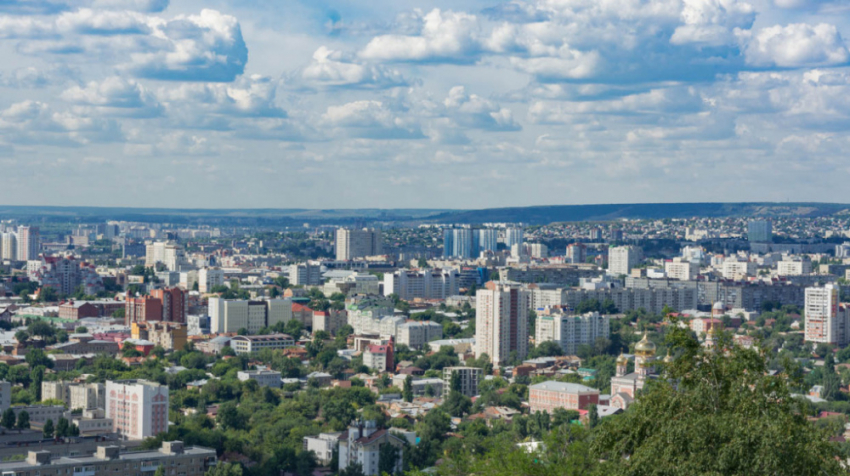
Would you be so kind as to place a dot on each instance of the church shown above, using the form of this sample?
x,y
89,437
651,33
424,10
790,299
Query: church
x,y
624,387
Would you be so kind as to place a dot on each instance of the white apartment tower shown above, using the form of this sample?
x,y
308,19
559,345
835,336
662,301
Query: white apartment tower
x,y
9,246
209,278
501,322
826,321
138,408
621,259
351,244
424,284
513,236
681,269
569,332
28,243
232,315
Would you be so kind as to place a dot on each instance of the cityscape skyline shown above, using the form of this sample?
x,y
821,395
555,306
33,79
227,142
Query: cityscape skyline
x,y
162,102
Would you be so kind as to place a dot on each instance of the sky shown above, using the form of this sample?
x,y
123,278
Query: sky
x,y
422,104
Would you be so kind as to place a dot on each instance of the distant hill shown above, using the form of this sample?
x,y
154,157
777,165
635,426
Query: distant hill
x,y
572,213
536,215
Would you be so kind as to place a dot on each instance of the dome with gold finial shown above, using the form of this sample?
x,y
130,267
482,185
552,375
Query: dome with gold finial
x,y
622,360
669,359
645,348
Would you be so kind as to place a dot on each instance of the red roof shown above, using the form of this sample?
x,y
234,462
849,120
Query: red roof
x,y
378,349
300,308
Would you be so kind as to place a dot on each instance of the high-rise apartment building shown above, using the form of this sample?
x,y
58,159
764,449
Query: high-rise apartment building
x,y
458,243
352,244
424,283
29,243
65,274
621,259
138,408
759,231
570,332
488,239
209,278
501,322
513,236
826,321
232,315
681,269
736,267
175,304
468,243
538,250
169,254
8,246
305,274
794,266
142,309
576,253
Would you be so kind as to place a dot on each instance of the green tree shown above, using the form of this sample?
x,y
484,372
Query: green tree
x,y
37,357
62,428
48,294
726,415
354,469
37,376
81,330
48,429
129,350
831,381
23,422
225,469
228,416
457,404
160,471
407,391
592,416
387,459
8,419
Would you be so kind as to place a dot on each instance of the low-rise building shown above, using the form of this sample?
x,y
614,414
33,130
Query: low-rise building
x,y
416,334
362,445
266,378
547,396
379,357
329,321
168,335
323,446
109,460
248,344
41,413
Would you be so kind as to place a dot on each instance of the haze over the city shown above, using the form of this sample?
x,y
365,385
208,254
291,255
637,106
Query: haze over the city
x,y
461,104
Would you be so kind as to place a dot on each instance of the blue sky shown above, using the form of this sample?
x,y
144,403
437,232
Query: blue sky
x,y
444,104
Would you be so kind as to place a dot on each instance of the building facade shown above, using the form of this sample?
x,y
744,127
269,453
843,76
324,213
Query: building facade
x,y
353,244
469,378
548,396
248,344
362,445
138,408
569,332
501,323
826,321
233,315
422,284
621,259
109,460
